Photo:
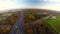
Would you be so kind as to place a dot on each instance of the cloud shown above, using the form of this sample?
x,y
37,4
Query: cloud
x,y
7,4
52,7
53,0
12,4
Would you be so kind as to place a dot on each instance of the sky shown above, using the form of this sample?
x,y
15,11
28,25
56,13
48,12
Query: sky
x,y
44,4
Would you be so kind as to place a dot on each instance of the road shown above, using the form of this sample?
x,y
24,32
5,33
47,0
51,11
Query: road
x,y
19,25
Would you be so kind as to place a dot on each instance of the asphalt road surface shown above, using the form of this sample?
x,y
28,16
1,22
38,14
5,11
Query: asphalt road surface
x,y
19,25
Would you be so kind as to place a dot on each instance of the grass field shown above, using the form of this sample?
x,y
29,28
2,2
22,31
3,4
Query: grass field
x,y
54,24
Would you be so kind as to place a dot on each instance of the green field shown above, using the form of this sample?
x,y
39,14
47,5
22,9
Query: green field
x,y
54,24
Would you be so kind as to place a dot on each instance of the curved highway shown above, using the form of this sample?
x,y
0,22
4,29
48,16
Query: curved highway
x,y
19,25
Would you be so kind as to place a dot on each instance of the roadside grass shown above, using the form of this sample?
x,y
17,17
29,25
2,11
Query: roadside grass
x,y
54,24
